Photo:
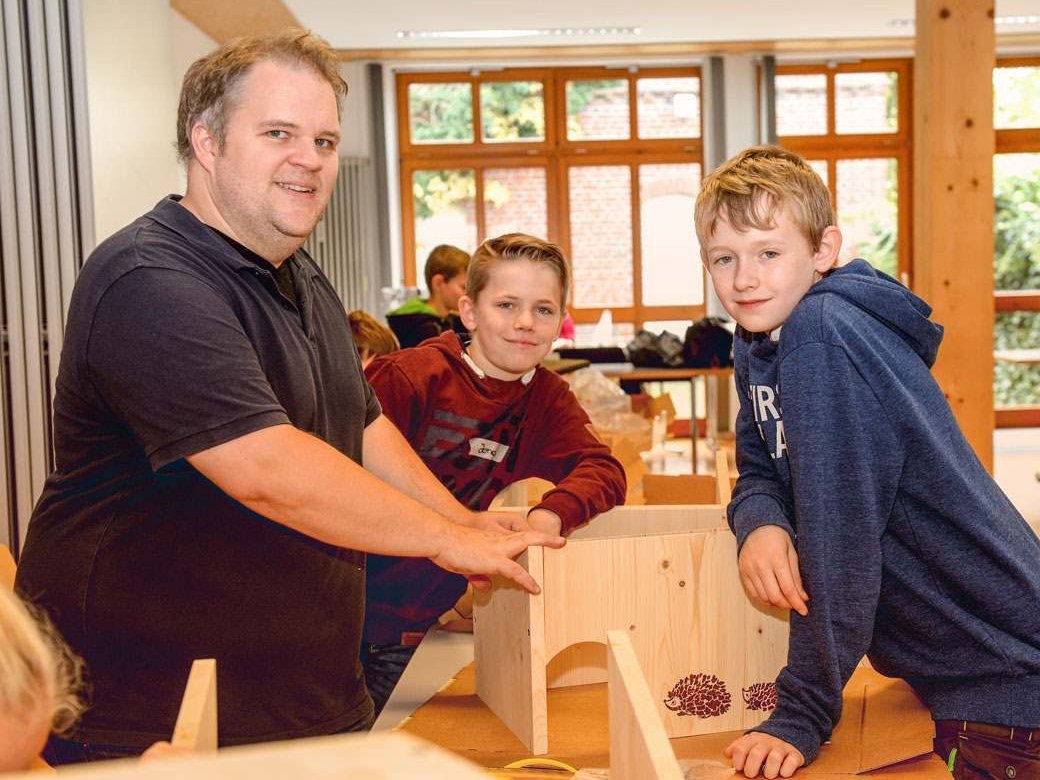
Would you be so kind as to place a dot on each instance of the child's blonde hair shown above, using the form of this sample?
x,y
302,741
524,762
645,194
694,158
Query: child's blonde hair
x,y
37,670
516,246
371,337
748,190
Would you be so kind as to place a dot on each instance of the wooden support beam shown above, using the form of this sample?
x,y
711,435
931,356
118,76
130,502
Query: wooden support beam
x,y
196,727
639,747
224,21
7,567
953,201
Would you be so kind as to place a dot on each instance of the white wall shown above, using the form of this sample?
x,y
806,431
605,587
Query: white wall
x,y
356,123
133,82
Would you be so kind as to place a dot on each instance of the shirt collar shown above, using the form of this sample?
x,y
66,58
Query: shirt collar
x,y
172,215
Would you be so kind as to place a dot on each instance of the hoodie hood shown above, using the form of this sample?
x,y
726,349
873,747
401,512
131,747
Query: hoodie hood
x,y
887,301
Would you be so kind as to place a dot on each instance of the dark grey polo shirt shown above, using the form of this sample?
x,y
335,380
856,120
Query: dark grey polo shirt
x,y
176,343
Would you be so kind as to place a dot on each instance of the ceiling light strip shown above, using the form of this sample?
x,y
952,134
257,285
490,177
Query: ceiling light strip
x,y
548,32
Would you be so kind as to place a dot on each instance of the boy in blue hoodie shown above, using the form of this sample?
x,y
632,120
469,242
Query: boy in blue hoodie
x,y
858,489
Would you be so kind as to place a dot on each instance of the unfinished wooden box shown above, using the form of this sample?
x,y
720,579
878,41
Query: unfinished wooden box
x,y
665,574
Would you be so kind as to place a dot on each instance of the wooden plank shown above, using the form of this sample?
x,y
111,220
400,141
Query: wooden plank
x,y
639,748
1018,417
509,650
817,47
679,489
723,483
953,201
647,520
382,756
224,21
196,727
7,567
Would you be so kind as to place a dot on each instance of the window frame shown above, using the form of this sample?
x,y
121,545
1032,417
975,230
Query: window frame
x,y
832,146
557,154
1017,141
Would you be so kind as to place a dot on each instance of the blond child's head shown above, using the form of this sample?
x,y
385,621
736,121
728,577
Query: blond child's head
x,y
766,231
445,275
511,247
371,337
39,679
516,292
750,188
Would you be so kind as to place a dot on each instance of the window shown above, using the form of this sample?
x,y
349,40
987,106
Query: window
x,y
606,162
852,124
1016,262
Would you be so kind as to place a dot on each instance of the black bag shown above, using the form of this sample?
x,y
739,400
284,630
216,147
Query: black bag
x,y
651,351
708,344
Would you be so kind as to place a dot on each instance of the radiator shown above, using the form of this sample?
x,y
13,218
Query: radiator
x,y
344,243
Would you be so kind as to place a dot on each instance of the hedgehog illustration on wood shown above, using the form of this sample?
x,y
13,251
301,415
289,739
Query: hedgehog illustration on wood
x,y
760,696
703,695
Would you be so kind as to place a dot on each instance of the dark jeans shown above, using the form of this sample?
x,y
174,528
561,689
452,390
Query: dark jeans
x,y
384,665
981,751
59,751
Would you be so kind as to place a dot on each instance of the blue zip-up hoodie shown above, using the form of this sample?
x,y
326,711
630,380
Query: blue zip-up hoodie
x,y
909,551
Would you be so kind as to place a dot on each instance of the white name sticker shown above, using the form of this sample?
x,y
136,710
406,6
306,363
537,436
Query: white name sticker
x,y
488,450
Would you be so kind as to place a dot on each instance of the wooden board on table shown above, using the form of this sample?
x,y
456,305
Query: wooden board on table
x,y
639,748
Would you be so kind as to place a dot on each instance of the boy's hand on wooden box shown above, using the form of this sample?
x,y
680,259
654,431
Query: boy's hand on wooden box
x,y
497,522
769,571
545,521
757,752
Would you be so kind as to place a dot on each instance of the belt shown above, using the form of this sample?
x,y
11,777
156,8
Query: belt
x,y
1010,733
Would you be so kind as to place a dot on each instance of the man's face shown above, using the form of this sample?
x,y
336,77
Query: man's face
x,y
760,275
275,173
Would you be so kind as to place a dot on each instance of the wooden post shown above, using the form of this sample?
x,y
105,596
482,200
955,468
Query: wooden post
x,y
196,727
639,747
953,201
7,567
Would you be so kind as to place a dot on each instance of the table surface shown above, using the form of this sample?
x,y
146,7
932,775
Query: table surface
x,y
459,721
629,371
564,365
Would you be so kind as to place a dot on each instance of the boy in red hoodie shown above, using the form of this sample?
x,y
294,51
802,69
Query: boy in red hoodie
x,y
483,414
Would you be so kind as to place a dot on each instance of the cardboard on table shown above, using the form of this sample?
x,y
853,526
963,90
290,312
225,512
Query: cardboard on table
x,y
884,730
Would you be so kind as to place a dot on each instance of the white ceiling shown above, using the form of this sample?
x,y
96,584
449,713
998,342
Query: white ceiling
x,y
363,24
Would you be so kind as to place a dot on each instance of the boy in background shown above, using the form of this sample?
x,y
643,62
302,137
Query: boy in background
x,y
423,318
371,337
858,489
483,414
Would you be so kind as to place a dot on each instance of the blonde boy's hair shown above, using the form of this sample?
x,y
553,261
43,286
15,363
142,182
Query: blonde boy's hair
x,y
371,336
749,189
447,260
36,667
516,246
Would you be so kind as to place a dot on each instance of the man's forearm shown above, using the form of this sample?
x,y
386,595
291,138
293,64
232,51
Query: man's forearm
x,y
389,456
300,481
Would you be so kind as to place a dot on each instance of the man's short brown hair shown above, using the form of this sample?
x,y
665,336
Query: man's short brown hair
x,y
748,189
516,246
448,261
209,93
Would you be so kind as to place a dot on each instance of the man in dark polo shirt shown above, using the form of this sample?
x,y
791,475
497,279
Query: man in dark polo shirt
x,y
210,423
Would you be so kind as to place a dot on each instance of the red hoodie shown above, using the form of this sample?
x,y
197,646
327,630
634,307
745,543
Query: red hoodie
x,y
479,436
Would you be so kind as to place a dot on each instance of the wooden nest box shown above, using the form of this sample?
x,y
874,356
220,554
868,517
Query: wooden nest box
x,y
668,576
